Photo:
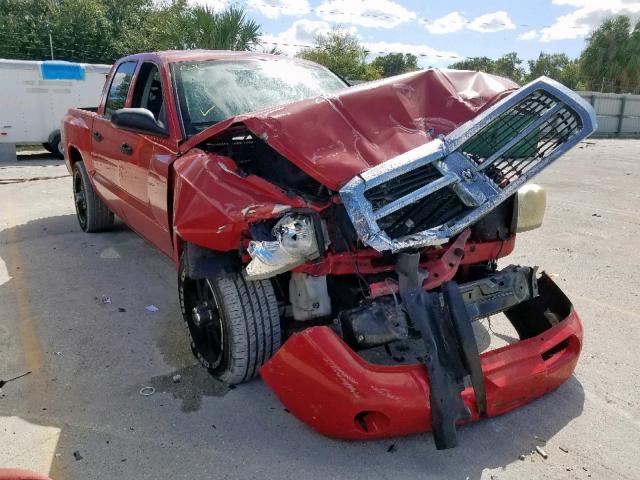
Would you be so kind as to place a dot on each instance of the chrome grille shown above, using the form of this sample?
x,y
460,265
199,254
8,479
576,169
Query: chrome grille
x,y
402,185
492,148
498,132
534,147
429,194
432,211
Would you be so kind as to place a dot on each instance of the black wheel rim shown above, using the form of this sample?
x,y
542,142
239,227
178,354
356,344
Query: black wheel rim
x,y
205,322
80,199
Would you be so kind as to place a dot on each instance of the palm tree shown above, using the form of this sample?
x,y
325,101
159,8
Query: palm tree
x,y
226,30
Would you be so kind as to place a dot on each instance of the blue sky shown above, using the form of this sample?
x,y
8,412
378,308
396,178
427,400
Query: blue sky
x,y
443,31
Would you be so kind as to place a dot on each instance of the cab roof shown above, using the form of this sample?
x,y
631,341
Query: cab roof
x,y
173,56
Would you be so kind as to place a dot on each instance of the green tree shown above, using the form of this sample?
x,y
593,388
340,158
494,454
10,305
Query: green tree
x,y
477,64
101,31
396,63
81,31
612,56
226,30
557,66
506,66
341,52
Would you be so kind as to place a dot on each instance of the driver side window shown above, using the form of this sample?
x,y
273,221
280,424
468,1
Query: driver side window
x,y
148,92
119,88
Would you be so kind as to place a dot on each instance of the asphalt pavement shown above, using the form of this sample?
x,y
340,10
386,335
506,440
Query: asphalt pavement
x,y
73,311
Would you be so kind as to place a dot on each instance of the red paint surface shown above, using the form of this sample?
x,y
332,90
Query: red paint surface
x,y
169,191
369,261
326,384
19,474
337,137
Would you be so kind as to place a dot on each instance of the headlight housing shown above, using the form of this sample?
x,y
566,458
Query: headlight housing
x,y
529,208
296,241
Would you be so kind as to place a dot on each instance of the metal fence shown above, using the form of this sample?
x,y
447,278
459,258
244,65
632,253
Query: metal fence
x,y
618,113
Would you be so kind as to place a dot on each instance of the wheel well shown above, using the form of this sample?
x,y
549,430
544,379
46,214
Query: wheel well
x,y
201,262
74,156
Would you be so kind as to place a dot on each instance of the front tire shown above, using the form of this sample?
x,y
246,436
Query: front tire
x,y
93,215
233,323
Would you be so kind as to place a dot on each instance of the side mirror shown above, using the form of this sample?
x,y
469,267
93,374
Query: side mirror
x,y
138,120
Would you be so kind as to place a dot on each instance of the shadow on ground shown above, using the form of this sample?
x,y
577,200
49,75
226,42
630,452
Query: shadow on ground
x,y
97,355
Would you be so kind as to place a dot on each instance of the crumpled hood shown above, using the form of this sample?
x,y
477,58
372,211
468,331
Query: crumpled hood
x,y
333,138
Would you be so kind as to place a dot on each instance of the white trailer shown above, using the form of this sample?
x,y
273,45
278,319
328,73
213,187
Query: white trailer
x,y
35,96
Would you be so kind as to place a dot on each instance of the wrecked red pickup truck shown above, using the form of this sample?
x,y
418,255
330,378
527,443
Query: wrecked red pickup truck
x,y
310,220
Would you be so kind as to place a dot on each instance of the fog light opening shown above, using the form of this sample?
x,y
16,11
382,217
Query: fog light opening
x,y
371,421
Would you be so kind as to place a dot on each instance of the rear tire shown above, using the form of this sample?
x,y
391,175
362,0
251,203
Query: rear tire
x,y
93,215
55,144
233,323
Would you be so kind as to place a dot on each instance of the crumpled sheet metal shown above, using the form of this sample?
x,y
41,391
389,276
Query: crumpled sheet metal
x,y
334,138
214,205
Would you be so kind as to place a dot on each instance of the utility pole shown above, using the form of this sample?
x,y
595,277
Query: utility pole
x,y
51,45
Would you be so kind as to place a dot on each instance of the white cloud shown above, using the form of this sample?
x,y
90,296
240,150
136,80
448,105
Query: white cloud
x,y
372,13
300,33
455,21
275,8
452,22
586,17
420,50
216,5
491,22
530,35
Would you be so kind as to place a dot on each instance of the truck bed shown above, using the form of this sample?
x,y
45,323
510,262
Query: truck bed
x,y
76,131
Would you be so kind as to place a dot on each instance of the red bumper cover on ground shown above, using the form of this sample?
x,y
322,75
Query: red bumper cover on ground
x,y
332,389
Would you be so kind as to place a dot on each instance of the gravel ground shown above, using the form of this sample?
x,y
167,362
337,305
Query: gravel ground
x,y
79,415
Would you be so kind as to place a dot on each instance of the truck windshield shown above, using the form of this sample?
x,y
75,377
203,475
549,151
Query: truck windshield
x,y
214,90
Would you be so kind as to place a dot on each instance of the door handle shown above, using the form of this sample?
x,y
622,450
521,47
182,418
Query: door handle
x,y
97,136
126,149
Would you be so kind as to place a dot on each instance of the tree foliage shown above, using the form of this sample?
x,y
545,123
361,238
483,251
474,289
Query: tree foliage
x,y
341,53
610,61
509,65
557,66
612,55
396,63
227,30
100,31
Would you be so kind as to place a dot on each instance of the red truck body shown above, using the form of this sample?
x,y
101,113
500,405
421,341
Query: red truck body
x,y
181,191
357,130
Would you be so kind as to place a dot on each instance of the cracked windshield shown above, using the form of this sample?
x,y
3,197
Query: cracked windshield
x,y
212,91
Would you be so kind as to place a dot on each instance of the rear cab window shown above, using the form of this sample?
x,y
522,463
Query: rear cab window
x,y
119,89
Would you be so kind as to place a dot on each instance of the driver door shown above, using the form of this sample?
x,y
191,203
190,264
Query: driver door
x,y
107,141
145,168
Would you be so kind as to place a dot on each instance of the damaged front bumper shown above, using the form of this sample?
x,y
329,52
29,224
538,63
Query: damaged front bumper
x,y
332,389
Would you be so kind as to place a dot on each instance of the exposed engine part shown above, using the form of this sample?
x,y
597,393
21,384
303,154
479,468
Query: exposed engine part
x,y
529,208
309,296
499,292
374,324
444,357
299,237
384,320
444,321
495,225
254,157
